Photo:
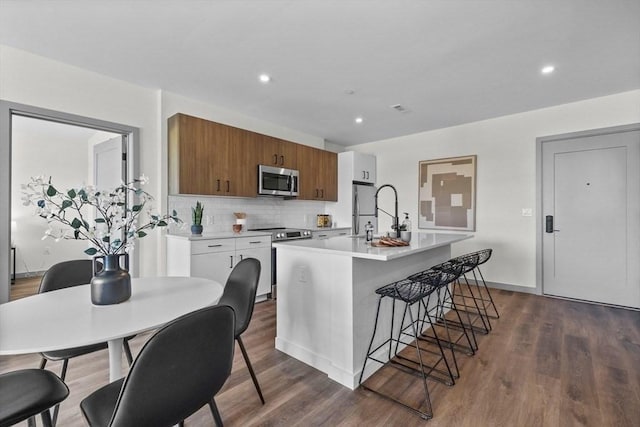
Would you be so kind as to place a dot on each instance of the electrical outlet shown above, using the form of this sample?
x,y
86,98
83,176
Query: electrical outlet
x,y
527,212
302,274
209,219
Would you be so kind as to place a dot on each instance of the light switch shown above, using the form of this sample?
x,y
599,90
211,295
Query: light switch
x,y
527,212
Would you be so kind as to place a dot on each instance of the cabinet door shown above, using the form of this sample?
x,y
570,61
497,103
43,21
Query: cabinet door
x,y
328,176
190,156
307,167
264,256
242,171
215,266
364,167
277,152
318,174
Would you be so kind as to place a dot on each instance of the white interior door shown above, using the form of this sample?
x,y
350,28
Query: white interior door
x,y
590,193
110,166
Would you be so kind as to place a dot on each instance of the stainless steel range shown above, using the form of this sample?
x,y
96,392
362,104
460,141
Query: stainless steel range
x,y
281,234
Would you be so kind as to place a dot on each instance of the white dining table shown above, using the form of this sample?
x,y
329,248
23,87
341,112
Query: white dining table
x,y
66,318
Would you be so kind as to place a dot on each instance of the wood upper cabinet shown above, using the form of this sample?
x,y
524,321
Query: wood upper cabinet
x,y
318,174
277,152
210,158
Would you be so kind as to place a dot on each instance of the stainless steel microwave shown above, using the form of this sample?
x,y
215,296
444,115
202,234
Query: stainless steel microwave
x,y
274,181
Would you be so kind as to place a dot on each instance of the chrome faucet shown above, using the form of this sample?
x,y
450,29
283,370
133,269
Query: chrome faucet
x,y
395,218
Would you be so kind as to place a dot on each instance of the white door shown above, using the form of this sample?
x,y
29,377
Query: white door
x,y
110,170
591,212
109,164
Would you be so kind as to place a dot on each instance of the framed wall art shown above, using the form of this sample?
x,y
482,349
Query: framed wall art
x,y
447,194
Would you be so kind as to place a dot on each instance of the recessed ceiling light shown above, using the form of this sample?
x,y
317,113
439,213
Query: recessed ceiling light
x,y
548,69
359,120
264,78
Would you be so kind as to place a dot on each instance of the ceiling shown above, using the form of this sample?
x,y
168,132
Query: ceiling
x,y
446,62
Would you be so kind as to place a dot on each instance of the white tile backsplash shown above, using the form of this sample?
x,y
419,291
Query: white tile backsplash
x,y
262,212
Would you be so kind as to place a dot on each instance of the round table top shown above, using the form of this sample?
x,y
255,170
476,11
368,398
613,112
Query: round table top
x,y
66,318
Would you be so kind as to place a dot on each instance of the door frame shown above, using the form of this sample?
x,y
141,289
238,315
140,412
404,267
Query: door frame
x,y
539,212
7,110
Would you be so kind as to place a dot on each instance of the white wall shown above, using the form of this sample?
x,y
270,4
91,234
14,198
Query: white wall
x,y
506,173
34,80
40,150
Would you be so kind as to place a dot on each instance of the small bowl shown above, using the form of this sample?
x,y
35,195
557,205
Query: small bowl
x,y
237,228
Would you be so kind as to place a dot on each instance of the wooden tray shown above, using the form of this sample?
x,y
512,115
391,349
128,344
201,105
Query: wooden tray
x,y
389,242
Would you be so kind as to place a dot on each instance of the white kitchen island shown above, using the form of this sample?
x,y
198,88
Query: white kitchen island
x,y
326,301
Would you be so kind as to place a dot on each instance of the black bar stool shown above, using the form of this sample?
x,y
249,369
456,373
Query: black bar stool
x,y
456,299
443,294
410,292
484,295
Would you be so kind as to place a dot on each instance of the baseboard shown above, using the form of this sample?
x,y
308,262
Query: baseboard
x,y
508,287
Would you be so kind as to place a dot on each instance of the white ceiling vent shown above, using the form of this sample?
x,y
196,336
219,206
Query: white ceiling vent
x,y
399,108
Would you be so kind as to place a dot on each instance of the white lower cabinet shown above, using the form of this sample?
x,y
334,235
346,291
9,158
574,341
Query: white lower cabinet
x,y
215,258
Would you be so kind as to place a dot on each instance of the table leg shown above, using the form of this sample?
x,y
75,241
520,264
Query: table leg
x,y
115,359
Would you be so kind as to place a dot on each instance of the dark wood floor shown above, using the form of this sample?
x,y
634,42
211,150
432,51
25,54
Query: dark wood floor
x,y
547,362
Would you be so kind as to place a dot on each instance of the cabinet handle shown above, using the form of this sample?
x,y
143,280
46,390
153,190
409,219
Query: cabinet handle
x,y
322,235
230,261
322,193
241,257
364,175
282,160
367,174
218,185
228,186
342,234
275,159
214,246
253,243
317,193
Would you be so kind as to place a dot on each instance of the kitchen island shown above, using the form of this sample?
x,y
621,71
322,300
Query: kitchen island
x,y
326,301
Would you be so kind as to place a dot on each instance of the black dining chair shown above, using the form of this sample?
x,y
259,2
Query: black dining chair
x,y
27,393
179,370
240,294
65,275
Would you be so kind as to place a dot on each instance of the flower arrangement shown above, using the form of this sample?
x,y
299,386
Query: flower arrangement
x,y
107,219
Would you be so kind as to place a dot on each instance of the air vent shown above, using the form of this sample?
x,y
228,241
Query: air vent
x,y
399,108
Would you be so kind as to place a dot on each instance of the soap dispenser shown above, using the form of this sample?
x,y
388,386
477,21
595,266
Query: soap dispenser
x,y
405,228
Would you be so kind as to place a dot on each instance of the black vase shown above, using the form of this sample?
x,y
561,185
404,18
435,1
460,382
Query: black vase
x,y
111,284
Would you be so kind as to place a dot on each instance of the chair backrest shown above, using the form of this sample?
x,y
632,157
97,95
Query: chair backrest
x,y
179,370
240,291
67,274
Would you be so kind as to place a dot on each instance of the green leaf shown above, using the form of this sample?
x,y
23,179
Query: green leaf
x,y
72,194
51,191
66,204
162,224
106,239
91,251
141,234
100,221
174,213
136,208
86,225
76,223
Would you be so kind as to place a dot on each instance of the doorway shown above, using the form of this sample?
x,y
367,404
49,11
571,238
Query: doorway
x,y
591,216
74,165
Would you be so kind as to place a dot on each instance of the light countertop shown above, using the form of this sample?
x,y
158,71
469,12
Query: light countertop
x,y
358,248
